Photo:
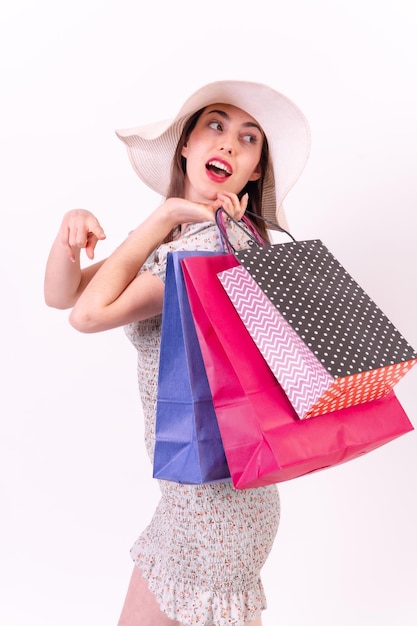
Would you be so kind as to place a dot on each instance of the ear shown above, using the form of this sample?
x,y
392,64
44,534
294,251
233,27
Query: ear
x,y
256,174
184,150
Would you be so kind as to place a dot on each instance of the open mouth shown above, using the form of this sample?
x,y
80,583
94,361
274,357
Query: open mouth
x,y
218,168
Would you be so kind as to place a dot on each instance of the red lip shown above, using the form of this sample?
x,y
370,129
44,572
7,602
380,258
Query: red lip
x,y
218,170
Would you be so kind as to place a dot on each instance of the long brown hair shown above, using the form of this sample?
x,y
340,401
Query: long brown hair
x,y
253,188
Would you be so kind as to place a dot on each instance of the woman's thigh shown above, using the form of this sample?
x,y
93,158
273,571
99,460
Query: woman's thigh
x,y
140,607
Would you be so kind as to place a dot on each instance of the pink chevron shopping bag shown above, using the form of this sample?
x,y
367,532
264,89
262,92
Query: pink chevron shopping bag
x,y
327,342
298,370
264,440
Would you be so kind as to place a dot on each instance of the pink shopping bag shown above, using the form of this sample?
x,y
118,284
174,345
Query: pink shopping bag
x,y
264,439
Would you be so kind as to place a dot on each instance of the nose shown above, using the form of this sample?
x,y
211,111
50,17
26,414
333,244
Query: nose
x,y
227,143
226,148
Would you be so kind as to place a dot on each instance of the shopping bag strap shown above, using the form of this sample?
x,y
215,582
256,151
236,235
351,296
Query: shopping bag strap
x,y
248,228
271,223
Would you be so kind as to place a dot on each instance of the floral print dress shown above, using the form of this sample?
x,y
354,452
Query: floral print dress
x,y
204,548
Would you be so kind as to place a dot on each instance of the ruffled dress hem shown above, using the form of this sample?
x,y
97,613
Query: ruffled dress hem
x,y
190,605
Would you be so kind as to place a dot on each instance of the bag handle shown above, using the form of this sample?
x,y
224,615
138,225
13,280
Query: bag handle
x,y
274,224
244,225
248,228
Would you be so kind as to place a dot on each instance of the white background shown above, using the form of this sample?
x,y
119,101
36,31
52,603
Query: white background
x,y
75,482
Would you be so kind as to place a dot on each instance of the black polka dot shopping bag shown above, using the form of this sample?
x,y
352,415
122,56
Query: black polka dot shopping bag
x,y
327,342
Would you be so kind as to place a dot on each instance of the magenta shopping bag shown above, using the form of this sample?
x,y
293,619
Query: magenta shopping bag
x,y
264,439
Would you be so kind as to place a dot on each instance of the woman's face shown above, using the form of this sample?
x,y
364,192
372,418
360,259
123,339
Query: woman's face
x,y
222,153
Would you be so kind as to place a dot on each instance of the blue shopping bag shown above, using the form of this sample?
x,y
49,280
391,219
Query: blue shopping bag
x,y
188,445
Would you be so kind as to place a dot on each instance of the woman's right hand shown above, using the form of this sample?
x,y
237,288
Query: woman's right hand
x,y
80,229
178,211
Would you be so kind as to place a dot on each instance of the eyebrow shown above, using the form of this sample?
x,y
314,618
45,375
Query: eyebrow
x,y
227,117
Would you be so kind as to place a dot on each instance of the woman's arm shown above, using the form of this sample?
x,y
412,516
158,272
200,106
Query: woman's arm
x,y
64,278
112,293
117,295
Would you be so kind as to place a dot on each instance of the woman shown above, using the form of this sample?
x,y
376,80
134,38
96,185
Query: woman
x,y
235,145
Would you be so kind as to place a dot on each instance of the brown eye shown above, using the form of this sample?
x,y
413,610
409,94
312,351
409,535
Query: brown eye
x,y
250,138
215,125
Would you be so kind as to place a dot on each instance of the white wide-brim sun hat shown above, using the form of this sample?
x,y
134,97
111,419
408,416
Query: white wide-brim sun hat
x,y
151,148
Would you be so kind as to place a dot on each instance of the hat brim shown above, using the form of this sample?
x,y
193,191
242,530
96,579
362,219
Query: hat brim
x,y
151,148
